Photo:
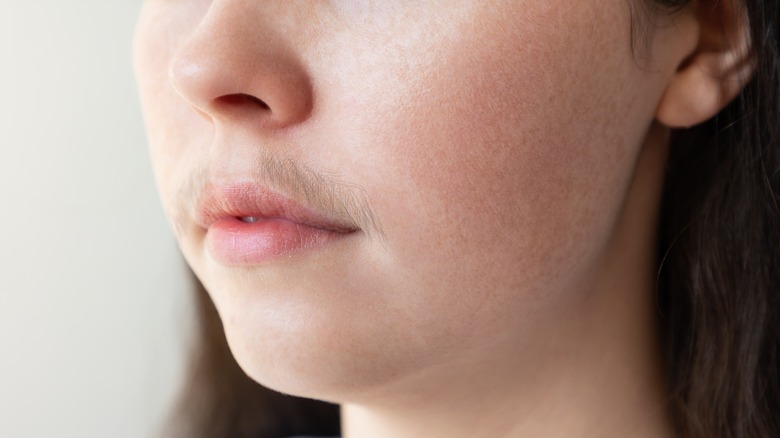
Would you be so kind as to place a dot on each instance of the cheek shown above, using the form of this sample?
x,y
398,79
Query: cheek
x,y
504,159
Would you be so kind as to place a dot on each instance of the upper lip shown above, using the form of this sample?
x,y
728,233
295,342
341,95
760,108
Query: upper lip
x,y
243,200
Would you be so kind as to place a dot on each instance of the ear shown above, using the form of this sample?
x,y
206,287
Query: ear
x,y
715,72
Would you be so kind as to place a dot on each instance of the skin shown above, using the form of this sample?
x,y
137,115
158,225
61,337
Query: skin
x,y
512,155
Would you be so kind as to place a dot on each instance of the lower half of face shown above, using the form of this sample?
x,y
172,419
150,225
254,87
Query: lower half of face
x,y
493,144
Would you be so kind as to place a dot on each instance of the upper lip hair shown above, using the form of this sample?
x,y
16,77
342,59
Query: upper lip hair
x,y
253,200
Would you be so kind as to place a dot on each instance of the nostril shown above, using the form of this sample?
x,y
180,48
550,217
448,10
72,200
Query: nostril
x,y
242,99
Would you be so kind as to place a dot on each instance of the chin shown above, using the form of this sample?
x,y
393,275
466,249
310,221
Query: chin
x,y
312,351
329,371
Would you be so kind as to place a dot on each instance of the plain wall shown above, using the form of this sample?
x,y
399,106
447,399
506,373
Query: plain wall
x,y
93,303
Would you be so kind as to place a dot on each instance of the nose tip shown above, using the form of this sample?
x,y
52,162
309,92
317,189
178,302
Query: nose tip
x,y
223,78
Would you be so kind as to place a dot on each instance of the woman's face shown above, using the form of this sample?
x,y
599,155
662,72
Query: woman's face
x,y
436,182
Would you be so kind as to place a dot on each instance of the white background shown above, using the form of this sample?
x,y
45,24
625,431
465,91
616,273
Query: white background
x,y
93,301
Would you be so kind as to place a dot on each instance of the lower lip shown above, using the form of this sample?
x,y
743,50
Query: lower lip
x,y
233,242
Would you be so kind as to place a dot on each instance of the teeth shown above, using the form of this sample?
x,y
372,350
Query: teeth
x,y
250,219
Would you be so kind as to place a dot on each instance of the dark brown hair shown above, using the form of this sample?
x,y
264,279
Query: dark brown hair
x,y
718,283
719,267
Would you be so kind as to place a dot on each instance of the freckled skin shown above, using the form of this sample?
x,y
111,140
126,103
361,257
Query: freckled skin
x,y
496,140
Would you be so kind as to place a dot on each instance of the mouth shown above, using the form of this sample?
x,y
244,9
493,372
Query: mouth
x,y
248,225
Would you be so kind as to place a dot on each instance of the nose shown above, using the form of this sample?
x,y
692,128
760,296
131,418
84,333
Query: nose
x,y
235,67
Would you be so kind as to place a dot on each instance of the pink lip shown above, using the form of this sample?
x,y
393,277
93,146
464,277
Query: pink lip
x,y
284,227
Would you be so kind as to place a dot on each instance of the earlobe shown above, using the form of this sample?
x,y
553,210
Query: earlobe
x,y
711,77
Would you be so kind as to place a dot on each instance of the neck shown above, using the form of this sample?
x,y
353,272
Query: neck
x,y
594,371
